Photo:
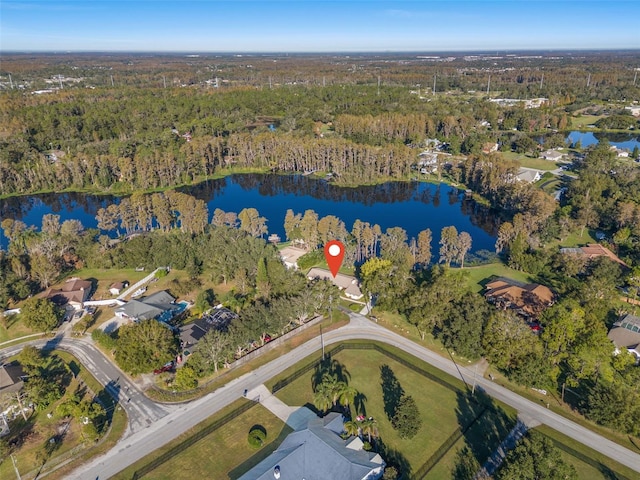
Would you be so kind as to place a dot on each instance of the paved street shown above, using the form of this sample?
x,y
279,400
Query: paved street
x,y
153,425
141,411
186,416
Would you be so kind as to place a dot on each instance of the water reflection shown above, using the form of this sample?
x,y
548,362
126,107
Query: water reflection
x,y
413,206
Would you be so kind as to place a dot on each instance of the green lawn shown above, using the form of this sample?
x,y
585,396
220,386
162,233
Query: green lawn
x,y
442,410
528,162
224,453
589,463
580,122
478,276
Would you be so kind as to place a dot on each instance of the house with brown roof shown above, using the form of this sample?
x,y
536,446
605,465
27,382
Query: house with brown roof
x,y
594,250
72,295
528,300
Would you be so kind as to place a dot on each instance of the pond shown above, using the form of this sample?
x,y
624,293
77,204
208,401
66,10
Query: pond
x,y
413,206
621,140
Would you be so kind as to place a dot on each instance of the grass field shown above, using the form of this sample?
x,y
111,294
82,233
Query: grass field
x,y
477,276
224,453
580,122
442,409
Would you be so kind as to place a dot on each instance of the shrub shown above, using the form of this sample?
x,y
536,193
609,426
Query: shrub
x,y
161,273
257,437
103,339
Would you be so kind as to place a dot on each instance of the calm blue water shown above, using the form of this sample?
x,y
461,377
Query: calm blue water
x,y
412,206
620,140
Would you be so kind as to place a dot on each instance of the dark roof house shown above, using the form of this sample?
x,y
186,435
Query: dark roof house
x,y
11,378
217,318
319,453
148,307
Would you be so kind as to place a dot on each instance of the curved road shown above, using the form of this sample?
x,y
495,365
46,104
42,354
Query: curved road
x,y
169,422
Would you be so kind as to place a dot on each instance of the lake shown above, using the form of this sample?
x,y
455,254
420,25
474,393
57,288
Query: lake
x,y
413,206
620,140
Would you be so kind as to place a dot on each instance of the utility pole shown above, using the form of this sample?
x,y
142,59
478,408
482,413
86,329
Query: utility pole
x,y
164,81
434,84
562,392
324,84
588,80
378,85
322,342
541,80
488,84
634,78
112,80
269,82
11,81
60,80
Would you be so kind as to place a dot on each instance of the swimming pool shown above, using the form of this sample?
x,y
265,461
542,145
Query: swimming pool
x,y
169,314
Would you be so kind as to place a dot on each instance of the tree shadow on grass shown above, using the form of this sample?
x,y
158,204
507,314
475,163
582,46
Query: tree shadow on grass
x,y
393,458
483,424
329,366
263,453
392,391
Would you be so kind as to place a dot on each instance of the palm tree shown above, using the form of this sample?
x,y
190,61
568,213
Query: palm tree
x,y
351,428
323,397
347,394
369,428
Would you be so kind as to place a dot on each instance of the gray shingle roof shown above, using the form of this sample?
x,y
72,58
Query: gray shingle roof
x,y
318,453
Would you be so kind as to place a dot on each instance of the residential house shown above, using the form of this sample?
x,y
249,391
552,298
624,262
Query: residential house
x,y
490,147
72,295
528,175
150,307
290,256
11,378
319,453
594,250
552,155
625,333
217,318
347,283
117,287
527,300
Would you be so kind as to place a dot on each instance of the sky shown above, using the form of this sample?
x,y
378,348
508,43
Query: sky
x,y
317,26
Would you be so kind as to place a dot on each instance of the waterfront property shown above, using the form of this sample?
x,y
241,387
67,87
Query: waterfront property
x,y
593,250
527,300
348,284
72,295
159,305
290,256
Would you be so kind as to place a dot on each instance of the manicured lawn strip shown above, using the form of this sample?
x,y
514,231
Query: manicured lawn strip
x,y
478,276
580,122
12,327
482,438
218,453
444,407
588,462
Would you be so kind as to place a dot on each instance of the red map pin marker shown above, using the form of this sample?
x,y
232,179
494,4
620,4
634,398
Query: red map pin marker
x,y
334,254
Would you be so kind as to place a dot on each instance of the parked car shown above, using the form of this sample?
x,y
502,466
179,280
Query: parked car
x,y
165,368
91,310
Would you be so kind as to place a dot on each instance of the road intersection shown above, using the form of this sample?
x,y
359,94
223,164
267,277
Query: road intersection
x,y
153,425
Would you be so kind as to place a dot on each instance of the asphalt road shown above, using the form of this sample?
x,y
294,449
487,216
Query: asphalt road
x,y
145,441
141,411
153,425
